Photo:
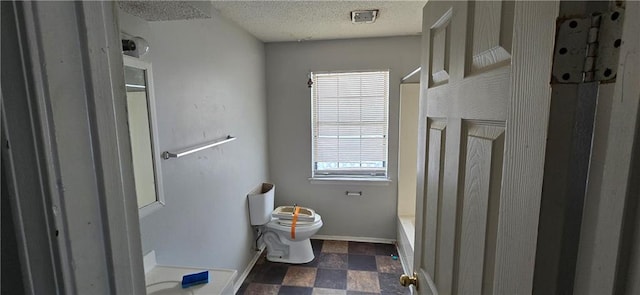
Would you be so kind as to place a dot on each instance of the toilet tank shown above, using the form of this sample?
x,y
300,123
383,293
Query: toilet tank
x,y
261,203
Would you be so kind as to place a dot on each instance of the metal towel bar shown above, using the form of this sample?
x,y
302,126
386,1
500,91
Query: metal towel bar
x,y
168,155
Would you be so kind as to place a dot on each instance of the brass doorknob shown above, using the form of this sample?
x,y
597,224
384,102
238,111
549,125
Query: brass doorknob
x,y
406,280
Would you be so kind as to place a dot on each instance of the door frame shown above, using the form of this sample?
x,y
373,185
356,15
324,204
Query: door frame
x,y
606,206
73,79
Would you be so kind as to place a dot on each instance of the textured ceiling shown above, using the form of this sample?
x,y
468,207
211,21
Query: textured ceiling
x,y
275,21
163,10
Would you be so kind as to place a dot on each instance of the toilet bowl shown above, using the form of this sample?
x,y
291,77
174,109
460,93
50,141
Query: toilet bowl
x,y
285,233
284,246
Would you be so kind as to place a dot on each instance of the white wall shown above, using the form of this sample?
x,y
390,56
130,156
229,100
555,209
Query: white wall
x,y
209,82
289,107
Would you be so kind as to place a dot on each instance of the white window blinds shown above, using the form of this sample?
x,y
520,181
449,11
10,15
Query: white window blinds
x,y
350,124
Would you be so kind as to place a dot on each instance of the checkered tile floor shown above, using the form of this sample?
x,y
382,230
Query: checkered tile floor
x,y
340,267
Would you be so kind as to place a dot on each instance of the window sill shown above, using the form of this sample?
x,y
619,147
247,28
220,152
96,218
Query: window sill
x,y
350,181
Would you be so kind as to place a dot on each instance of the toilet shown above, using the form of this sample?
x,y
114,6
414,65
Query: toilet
x,y
287,239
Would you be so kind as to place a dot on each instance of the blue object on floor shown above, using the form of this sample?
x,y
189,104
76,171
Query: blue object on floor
x,y
195,279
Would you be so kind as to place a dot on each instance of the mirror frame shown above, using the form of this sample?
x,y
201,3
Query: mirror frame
x,y
153,122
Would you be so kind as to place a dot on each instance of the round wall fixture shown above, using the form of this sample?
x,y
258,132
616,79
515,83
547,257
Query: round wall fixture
x,y
135,47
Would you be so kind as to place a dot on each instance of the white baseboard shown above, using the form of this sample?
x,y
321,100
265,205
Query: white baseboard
x,y
247,270
354,239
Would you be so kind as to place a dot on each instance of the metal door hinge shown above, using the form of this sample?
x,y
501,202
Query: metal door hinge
x,y
587,48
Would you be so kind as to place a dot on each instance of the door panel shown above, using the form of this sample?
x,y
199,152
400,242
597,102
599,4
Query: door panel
x,y
434,191
483,116
479,210
490,32
440,37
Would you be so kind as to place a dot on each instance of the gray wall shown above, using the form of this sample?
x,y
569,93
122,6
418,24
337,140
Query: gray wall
x,y
372,215
209,82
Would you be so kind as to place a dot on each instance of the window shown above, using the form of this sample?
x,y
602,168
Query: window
x,y
350,124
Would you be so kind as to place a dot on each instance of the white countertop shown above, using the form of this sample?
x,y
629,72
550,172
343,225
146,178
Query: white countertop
x,y
167,280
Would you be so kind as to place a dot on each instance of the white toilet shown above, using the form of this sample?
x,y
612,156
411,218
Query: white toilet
x,y
283,243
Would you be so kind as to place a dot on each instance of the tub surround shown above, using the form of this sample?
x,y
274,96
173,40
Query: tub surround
x,y
406,240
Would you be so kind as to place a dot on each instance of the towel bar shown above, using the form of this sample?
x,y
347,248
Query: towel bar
x,y
168,155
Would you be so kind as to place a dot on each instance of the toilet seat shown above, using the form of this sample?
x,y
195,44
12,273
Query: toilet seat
x,y
285,224
287,212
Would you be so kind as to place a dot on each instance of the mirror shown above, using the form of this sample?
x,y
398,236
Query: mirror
x,y
143,135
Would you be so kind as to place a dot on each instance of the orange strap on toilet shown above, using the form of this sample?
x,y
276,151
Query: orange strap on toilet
x,y
293,223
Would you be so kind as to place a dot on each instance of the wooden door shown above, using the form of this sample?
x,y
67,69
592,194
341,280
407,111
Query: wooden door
x,y
484,107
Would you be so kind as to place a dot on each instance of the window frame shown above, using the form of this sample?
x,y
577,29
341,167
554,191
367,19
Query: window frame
x,y
371,176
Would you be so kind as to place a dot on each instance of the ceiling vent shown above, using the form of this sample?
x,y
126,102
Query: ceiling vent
x,y
364,16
